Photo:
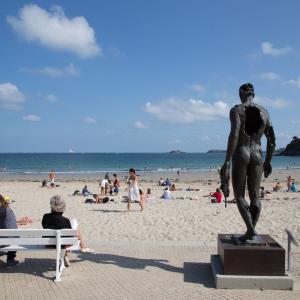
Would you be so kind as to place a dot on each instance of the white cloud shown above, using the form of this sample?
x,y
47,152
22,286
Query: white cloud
x,y
283,135
31,118
50,98
269,76
89,120
54,30
187,111
268,49
47,97
274,103
10,96
197,87
68,70
295,121
295,82
140,125
175,142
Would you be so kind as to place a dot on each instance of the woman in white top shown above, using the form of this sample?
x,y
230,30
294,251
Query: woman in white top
x,y
133,189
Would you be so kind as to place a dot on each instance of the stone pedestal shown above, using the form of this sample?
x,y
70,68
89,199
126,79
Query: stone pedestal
x,y
267,259
244,266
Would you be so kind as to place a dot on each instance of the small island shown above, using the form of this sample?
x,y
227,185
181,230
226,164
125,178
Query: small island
x,y
292,149
176,152
216,151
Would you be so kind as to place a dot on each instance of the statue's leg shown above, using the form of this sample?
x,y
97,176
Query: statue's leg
x,y
253,181
239,177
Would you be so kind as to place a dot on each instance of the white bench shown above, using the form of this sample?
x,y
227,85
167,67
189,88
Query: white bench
x,y
38,239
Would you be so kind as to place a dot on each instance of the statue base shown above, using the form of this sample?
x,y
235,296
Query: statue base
x,y
239,282
256,241
261,257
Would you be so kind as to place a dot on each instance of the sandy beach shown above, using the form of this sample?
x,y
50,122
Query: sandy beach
x,y
179,219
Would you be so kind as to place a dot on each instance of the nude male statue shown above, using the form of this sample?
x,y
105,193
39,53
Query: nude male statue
x,y
249,122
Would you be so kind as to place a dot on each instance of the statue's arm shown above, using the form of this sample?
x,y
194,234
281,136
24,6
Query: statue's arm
x,y
234,134
271,144
232,144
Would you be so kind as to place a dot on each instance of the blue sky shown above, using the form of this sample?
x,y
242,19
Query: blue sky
x,y
143,76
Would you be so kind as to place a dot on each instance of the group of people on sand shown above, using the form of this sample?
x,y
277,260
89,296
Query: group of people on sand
x,y
53,220
108,186
51,180
291,186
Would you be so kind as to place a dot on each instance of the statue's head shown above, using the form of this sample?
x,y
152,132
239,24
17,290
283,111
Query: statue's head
x,y
246,92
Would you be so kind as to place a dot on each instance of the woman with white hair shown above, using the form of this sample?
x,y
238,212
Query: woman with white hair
x,y
56,220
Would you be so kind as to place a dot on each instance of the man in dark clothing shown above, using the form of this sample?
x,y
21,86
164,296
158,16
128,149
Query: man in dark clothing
x,y
8,221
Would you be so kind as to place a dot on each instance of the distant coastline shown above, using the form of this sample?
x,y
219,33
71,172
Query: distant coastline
x,y
216,151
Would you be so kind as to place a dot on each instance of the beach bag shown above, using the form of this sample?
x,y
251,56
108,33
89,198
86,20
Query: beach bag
x,y
89,201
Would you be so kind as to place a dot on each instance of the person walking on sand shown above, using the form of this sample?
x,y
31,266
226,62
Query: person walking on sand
x,y
289,183
133,189
52,178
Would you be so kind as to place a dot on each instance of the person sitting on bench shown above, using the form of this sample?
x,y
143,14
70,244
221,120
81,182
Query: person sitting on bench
x,y
56,220
8,221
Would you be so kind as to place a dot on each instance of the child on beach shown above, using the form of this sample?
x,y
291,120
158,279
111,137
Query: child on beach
x,y
277,187
294,188
52,178
117,184
142,199
289,183
104,185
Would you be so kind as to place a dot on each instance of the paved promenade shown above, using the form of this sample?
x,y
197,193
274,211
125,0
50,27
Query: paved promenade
x,y
137,270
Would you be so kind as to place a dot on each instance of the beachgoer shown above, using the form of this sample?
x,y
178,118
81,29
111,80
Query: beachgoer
x,y
8,221
294,188
106,176
56,220
44,183
52,178
117,184
133,190
277,187
178,172
85,192
101,198
161,182
142,199
168,182
104,186
173,188
262,193
289,183
166,194
216,197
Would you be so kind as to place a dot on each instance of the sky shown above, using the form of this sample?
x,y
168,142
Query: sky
x,y
143,76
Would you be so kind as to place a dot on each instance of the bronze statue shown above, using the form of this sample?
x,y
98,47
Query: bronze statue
x,y
249,122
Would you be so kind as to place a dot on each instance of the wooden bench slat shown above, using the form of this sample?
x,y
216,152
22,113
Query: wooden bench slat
x,y
36,232
36,241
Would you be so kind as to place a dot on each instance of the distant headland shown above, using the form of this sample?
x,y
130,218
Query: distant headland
x,y
292,149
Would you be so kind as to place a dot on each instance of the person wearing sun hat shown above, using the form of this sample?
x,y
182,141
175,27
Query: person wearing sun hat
x,y
8,221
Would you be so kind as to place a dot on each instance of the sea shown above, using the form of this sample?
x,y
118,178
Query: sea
x,y
93,163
